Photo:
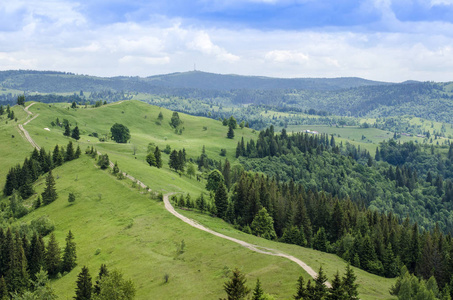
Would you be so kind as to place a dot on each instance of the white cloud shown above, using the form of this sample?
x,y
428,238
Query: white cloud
x,y
286,56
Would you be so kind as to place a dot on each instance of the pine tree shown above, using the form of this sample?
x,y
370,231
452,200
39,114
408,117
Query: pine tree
x,y
230,133
69,152
336,291
53,258
320,288
17,277
236,288
263,225
76,133
4,295
258,293
69,254
349,284
37,255
301,293
56,156
102,272
78,152
50,194
67,130
173,162
158,157
221,200
84,287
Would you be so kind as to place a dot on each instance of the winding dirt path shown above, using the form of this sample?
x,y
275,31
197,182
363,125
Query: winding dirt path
x,y
171,209
25,132
262,250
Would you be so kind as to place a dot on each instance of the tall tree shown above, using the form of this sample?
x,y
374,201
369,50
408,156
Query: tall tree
x,y
37,255
69,152
69,254
75,133
230,133
236,288
67,130
158,156
221,200
301,293
21,100
84,287
50,194
258,293
320,288
336,291
349,284
102,272
53,256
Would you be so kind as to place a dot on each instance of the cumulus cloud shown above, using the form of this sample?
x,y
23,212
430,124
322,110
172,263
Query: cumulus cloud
x,y
58,35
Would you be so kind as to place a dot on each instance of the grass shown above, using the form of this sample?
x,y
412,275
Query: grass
x,y
117,224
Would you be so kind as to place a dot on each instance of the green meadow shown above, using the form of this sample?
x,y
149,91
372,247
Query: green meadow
x,y
116,223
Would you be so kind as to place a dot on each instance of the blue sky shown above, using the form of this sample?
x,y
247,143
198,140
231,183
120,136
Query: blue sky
x,y
375,39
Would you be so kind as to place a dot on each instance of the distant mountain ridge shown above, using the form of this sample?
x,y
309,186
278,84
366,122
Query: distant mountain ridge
x,y
59,82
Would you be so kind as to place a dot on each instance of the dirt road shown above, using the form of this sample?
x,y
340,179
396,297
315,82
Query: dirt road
x,y
252,247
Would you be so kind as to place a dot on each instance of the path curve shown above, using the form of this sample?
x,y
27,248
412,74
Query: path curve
x,y
25,132
171,209
262,250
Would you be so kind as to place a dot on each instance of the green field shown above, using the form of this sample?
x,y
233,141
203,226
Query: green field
x,y
120,225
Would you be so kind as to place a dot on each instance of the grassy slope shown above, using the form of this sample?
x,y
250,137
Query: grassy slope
x,y
136,234
13,149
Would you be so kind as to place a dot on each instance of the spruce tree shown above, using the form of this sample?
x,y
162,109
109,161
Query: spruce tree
x,y
230,133
258,293
236,288
53,258
336,291
37,255
320,289
67,130
349,284
17,277
102,272
158,157
301,293
3,289
56,156
221,200
116,169
78,152
69,152
76,133
50,194
84,287
69,254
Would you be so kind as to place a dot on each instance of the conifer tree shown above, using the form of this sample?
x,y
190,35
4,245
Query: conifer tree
x,y
37,255
173,162
349,284
17,277
221,200
230,133
258,293
336,291
67,130
78,152
236,288
69,152
158,157
301,293
69,254
76,133
102,272
4,295
53,258
263,225
56,156
84,287
320,289
38,202
50,194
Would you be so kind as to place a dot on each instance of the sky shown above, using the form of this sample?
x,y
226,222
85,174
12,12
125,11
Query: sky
x,y
386,40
